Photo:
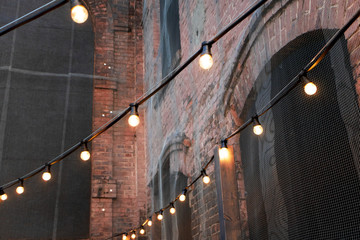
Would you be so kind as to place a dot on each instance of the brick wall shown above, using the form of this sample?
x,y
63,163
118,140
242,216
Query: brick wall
x,y
118,166
205,105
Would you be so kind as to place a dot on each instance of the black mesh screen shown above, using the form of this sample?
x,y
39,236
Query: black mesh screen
x,y
302,175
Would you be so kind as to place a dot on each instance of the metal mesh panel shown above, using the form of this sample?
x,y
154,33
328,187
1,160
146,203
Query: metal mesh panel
x,y
302,175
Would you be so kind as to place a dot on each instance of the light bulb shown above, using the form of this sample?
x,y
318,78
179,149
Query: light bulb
x,y
134,119
258,129
133,235
224,153
4,196
142,231
206,61
46,176
85,154
172,210
310,88
160,216
79,13
20,190
206,179
124,237
149,223
182,197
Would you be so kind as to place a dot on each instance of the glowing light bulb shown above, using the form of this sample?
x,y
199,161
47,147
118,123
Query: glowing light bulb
x,y
160,216
257,129
206,179
3,197
134,119
46,176
133,235
124,237
182,197
20,190
206,61
172,209
142,231
79,13
85,154
310,88
149,223
224,153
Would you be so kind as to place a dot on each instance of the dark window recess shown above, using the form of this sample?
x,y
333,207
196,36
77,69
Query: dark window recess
x,y
170,35
302,175
166,186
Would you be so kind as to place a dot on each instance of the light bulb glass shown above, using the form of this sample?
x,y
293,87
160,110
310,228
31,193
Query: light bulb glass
x,y
224,153
4,197
149,223
142,231
206,179
258,129
79,14
134,120
46,176
160,217
85,155
133,235
20,190
172,210
310,88
206,61
182,197
124,237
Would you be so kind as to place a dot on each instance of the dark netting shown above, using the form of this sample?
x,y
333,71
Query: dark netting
x,y
302,175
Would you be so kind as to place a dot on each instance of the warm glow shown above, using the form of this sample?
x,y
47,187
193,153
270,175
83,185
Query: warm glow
x,y
206,179
206,61
142,231
85,155
79,14
4,197
46,176
160,217
182,197
133,235
124,237
172,210
149,223
224,153
310,88
258,129
134,120
20,190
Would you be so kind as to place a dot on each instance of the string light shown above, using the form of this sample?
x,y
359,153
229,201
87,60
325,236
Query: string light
x,y
46,176
3,195
182,197
172,208
134,119
20,189
133,235
206,178
257,129
309,87
160,215
85,154
142,230
224,151
206,61
149,223
124,236
79,13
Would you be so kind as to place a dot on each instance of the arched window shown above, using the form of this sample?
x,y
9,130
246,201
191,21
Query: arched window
x,y
302,175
